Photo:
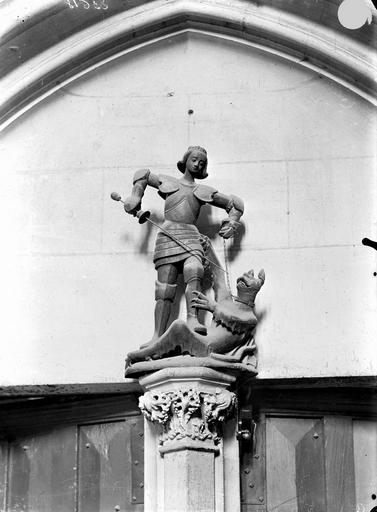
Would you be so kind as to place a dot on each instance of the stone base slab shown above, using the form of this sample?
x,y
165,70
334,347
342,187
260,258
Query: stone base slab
x,y
141,368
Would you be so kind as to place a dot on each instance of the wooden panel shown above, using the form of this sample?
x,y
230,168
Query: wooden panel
x,y
252,460
3,472
310,470
42,472
20,419
295,465
340,482
105,467
102,467
348,396
40,390
365,460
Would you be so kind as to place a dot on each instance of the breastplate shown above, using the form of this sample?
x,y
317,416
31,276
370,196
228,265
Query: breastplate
x,y
182,205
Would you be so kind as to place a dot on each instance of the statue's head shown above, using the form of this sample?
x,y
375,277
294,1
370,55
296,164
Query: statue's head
x,y
195,160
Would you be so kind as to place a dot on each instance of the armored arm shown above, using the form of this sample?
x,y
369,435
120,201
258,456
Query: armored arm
x,y
234,206
142,179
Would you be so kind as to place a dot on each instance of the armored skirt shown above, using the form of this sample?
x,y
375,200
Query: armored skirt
x,y
169,251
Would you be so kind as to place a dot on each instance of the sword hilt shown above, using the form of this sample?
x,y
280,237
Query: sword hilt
x,y
143,216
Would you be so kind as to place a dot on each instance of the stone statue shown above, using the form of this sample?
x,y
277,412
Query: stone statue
x,y
183,201
181,248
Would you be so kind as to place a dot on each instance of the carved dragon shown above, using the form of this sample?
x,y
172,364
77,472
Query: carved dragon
x,y
229,337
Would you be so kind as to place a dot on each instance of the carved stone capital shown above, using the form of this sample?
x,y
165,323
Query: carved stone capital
x,y
188,414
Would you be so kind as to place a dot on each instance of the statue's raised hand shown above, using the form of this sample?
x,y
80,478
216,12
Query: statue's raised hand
x,y
132,205
201,301
228,228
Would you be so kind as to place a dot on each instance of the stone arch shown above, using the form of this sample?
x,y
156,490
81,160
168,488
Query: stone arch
x,y
320,45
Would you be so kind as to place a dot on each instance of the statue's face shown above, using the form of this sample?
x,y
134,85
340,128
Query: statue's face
x,y
196,163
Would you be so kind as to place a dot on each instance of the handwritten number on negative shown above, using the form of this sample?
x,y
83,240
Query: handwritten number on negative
x,y
87,4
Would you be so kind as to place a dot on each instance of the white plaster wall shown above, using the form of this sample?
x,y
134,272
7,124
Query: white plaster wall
x,y
297,147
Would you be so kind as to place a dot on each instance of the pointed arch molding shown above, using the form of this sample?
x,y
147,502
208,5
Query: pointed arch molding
x,y
317,46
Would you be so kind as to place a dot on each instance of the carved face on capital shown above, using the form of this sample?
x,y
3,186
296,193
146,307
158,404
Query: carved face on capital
x,y
196,163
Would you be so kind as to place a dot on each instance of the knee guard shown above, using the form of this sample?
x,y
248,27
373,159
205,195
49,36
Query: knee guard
x,y
192,269
165,291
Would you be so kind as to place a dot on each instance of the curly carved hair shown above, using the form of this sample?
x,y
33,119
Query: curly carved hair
x,y
182,163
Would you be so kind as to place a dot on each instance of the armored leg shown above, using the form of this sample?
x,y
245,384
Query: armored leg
x,y
164,296
193,275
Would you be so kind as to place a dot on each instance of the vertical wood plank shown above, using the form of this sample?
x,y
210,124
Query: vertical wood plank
x,y
107,471
340,480
102,467
280,466
88,474
19,476
3,473
295,469
41,472
365,459
310,471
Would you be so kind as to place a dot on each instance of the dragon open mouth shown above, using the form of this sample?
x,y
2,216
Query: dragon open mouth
x,y
243,282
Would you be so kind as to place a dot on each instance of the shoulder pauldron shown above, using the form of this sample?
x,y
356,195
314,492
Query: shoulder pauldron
x,y
141,174
204,193
168,184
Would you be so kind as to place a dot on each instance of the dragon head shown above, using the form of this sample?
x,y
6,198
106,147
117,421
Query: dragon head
x,y
248,286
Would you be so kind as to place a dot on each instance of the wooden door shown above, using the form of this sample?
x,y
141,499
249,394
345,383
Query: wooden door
x,y
95,467
310,464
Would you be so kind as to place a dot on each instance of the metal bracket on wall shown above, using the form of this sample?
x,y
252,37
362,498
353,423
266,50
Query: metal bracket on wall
x,y
252,460
372,244
246,429
137,457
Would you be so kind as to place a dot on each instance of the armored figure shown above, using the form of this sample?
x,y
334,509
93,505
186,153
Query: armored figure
x,y
183,251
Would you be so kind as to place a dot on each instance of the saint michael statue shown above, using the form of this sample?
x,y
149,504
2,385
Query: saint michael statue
x,y
180,247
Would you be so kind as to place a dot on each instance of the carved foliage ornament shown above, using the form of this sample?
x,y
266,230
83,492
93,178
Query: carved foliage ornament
x,y
188,413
